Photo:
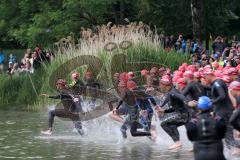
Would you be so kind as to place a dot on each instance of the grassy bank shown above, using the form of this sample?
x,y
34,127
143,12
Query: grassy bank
x,y
24,90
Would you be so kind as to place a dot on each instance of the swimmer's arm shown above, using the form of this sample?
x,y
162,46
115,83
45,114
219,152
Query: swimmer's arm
x,y
181,97
55,96
221,94
119,104
208,88
192,131
166,100
170,110
221,128
234,119
152,101
187,89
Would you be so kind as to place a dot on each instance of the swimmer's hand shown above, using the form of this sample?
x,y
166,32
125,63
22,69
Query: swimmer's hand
x,y
192,103
158,108
76,99
149,89
114,110
144,113
44,95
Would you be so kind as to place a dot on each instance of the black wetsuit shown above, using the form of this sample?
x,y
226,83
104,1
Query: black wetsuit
x,y
207,133
223,108
77,87
91,90
221,101
69,109
136,101
143,102
235,120
193,91
178,102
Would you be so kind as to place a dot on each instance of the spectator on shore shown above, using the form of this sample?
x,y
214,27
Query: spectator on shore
x,y
10,67
2,58
12,59
218,45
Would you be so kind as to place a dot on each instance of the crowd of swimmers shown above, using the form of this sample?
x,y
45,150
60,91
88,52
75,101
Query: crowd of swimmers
x,y
205,100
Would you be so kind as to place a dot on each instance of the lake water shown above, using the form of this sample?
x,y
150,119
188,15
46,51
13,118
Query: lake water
x,y
20,138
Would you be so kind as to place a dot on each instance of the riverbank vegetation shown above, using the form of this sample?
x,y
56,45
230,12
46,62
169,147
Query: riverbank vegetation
x,y
142,44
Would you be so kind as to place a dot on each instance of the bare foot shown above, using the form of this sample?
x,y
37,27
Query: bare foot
x,y
235,151
190,150
153,135
176,145
47,132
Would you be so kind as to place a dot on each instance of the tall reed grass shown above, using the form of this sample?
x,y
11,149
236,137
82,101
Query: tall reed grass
x,y
145,46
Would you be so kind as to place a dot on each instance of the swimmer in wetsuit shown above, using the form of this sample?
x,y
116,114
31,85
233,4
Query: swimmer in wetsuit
x,y
222,106
69,109
138,107
207,132
178,102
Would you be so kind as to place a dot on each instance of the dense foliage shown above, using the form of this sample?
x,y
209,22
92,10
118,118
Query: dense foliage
x,y
27,22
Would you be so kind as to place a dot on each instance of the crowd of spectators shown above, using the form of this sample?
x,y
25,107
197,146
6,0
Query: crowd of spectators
x,y
31,61
224,51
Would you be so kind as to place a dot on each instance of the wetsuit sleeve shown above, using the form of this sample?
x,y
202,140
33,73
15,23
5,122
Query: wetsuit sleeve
x,y
187,89
166,100
97,85
221,128
170,110
207,88
181,97
55,97
220,91
119,104
192,131
234,120
152,100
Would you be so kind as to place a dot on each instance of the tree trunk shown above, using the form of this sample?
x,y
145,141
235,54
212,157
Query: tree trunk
x,y
195,7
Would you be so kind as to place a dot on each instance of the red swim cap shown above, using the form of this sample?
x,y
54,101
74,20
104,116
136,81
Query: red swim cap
x,y
131,85
75,75
191,68
123,76
181,82
215,64
144,72
181,68
233,71
130,75
235,85
218,74
62,82
188,74
197,75
226,79
162,69
208,72
175,78
166,80
122,84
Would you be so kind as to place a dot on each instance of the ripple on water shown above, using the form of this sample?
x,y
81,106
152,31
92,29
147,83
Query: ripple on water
x,y
6,147
10,122
61,156
8,157
36,157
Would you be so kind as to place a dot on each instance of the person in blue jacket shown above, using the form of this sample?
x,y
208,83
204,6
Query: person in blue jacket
x,y
2,58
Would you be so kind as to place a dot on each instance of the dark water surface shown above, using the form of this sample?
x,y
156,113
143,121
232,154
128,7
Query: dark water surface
x,y
20,138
